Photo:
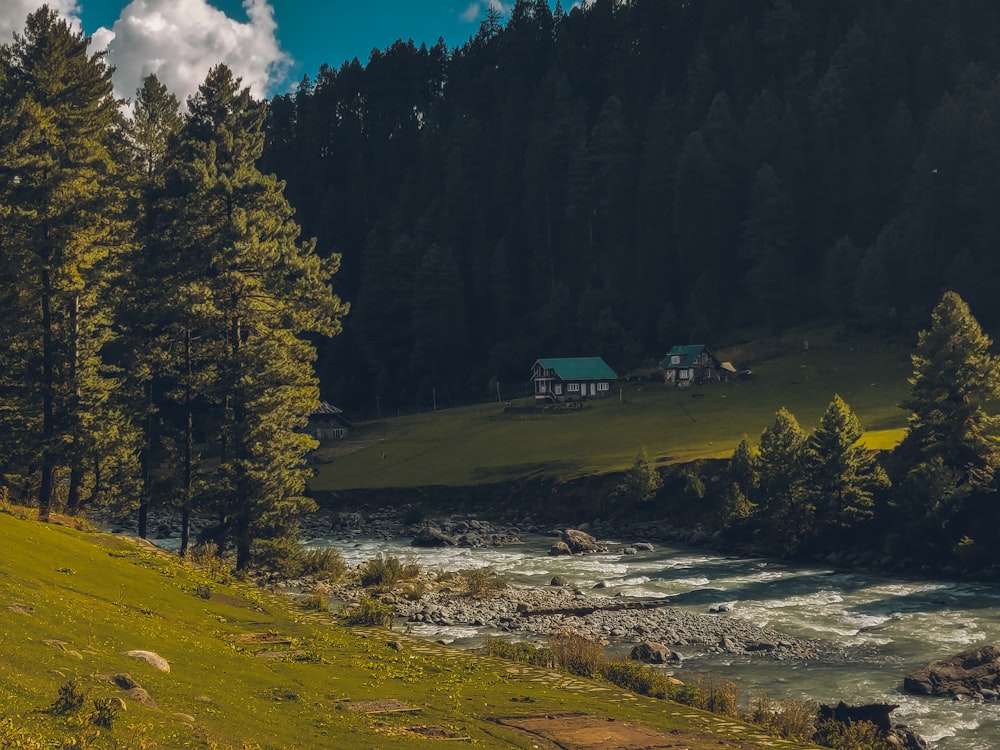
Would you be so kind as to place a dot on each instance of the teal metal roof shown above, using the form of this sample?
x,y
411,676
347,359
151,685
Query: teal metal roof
x,y
687,355
579,368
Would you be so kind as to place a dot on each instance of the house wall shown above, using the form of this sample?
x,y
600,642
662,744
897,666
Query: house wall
x,y
572,390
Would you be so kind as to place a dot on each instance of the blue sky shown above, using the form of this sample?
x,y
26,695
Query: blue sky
x,y
271,44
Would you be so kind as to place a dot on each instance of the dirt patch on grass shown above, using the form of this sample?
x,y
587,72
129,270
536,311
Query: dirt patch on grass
x,y
428,732
386,706
577,731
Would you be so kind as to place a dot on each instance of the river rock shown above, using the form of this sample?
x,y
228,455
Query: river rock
x,y
963,675
431,536
580,542
650,653
558,581
560,548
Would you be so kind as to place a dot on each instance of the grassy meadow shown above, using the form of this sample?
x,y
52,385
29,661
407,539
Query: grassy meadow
x,y
249,669
491,443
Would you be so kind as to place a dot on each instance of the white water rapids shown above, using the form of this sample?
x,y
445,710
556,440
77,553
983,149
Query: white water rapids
x,y
907,622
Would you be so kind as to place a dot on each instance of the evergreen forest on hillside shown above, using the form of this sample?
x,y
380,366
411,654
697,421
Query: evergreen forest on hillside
x,y
607,181
622,178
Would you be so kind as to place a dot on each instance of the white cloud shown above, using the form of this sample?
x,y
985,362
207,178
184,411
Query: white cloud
x,y
471,13
181,40
476,10
13,14
178,40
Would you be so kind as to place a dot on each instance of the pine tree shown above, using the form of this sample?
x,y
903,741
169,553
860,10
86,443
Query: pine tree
x,y
781,482
263,291
843,477
152,316
62,237
741,488
641,482
952,443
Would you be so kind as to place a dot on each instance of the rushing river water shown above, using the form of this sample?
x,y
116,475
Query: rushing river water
x,y
907,622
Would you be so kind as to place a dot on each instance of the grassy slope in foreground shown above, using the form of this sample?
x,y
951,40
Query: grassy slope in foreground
x,y
72,604
483,444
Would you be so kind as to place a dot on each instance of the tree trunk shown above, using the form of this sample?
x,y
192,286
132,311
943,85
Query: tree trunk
x,y
185,530
242,536
75,490
48,402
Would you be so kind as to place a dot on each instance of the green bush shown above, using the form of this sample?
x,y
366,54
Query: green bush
x,y
788,718
282,555
315,602
325,562
70,698
368,611
105,712
639,678
577,655
385,571
718,695
860,735
523,653
483,582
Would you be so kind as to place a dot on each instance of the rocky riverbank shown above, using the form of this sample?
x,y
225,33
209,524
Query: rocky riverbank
x,y
666,633
671,634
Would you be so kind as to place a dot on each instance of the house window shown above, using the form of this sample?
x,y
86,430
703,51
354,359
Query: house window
x,y
572,387
685,374
675,359
558,389
603,386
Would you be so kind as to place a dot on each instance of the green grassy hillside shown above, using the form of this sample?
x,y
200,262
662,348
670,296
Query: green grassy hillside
x,y
488,443
251,670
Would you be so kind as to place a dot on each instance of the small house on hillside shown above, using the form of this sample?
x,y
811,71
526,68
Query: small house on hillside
x,y
693,363
571,378
327,422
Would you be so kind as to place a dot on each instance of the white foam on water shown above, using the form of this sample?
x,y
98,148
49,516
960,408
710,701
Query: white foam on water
x,y
698,581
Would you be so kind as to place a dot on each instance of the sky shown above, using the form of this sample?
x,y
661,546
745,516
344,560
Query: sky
x,y
270,44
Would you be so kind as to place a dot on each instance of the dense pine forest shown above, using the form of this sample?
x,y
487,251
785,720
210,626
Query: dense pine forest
x,y
606,181
618,179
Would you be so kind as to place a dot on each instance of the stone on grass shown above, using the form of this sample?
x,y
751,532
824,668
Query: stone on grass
x,y
151,658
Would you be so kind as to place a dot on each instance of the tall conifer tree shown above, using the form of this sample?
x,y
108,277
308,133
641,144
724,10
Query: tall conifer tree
x,y
780,480
153,315
62,238
263,291
843,477
952,449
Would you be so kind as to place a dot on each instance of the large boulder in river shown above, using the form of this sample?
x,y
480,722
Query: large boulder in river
x,y
431,536
580,542
973,673
875,713
653,653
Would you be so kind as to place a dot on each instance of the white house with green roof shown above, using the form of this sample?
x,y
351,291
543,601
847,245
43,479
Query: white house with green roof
x,y
571,378
693,363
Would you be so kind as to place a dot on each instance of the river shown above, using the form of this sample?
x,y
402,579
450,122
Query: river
x,y
908,623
